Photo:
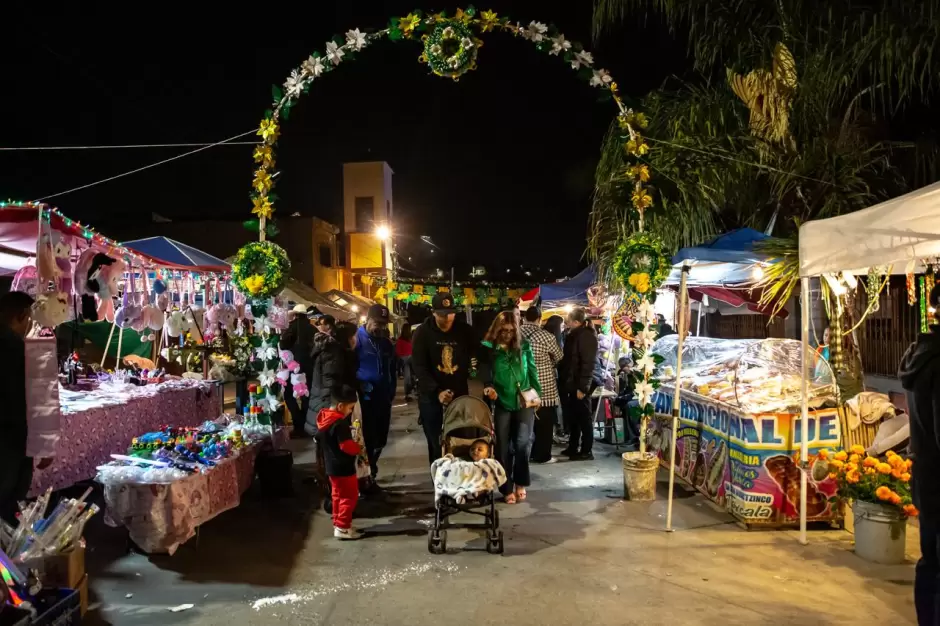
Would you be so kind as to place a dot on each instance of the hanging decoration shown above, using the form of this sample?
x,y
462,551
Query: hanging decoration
x,y
451,49
924,309
641,267
479,297
911,288
873,289
261,270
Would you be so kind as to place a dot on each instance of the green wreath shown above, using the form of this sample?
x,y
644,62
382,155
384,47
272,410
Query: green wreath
x,y
641,266
451,49
261,270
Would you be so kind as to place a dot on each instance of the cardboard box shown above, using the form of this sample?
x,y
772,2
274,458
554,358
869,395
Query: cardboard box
x,y
83,594
63,570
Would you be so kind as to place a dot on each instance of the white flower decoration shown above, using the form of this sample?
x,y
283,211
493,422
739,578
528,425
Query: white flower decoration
x,y
266,378
334,53
536,31
646,364
584,58
356,39
436,49
266,353
646,337
271,402
294,83
601,77
644,393
448,33
560,45
467,43
262,325
314,66
646,313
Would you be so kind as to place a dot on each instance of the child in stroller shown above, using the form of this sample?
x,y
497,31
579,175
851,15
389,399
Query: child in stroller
x,y
466,486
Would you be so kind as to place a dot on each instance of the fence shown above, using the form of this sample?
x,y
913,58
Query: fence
x,y
886,333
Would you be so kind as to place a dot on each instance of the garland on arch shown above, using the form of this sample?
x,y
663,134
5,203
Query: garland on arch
x,y
480,297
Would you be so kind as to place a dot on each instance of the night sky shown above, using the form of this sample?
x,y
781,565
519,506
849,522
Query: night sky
x,y
497,169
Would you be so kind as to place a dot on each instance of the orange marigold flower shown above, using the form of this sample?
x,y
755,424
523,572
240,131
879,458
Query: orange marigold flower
x,y
908,463
906,477
894,498
833,475
910,510
836,463
854,458
883,468
890,453
869,471
883,493
857,449
853,477
841,455
823,454
897,471
870,461
851,467
895,461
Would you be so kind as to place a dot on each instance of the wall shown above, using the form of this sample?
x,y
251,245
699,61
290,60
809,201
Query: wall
x,y
326,278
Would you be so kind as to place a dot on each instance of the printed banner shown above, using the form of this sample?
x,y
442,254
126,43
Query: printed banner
x,y
747,463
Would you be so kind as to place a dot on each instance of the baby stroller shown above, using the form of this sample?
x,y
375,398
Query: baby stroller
x,y
466,420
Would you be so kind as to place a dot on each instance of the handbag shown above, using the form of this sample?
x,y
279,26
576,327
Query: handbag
x,y
528,397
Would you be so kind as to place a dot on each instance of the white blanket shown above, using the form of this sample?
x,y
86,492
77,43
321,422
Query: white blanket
x,y
461,479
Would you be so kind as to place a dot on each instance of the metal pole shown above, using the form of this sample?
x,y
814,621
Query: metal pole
x,y
452,279
804,410
676,402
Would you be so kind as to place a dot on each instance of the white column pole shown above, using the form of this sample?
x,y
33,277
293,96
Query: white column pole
x,y
676,402
804,410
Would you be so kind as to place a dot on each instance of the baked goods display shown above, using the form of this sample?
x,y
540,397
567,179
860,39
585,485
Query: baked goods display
x,y
755,375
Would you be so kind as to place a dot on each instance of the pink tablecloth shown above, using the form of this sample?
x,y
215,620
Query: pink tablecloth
x,y
161,517
89,438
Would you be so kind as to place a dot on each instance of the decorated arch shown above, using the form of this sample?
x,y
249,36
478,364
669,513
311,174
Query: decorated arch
x,y
450,45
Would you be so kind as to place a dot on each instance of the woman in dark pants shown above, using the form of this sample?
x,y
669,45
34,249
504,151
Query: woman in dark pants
x,y
298,338
509,369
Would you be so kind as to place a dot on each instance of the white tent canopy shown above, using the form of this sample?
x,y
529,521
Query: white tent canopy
x,y
896,232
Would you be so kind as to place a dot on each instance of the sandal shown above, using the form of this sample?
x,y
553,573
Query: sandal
x,y
521,494
510,498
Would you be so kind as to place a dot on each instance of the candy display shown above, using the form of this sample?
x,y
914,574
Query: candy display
x,y
739,422
755,375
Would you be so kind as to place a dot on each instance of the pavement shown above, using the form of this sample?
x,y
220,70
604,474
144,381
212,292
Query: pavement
x,y
576,553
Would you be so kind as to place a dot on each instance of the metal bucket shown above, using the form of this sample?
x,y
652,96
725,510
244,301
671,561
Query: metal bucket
x,y
639,476
880,533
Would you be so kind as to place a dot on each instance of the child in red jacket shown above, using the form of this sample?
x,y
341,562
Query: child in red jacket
x,y
339,452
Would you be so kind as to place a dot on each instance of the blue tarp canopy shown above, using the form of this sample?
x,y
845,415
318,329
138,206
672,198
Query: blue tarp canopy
x,y
573,290
734,247
172,254
727,260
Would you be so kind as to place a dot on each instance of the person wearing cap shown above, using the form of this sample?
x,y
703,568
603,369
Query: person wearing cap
x,y
298,338
377,380
577,368
443,353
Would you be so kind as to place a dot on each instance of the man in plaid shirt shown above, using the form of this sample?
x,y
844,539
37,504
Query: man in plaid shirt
x,y
547,355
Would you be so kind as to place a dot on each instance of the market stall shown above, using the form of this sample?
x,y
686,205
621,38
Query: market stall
x,y
739,425
173,480
78,411
899,236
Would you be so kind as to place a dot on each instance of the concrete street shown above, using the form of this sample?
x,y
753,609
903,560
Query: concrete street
x,y
576,553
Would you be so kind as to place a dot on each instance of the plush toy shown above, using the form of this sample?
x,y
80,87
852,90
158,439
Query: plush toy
x,y
299,383
97,274
45,257
26,279
51,309
62,252
175,324
129,314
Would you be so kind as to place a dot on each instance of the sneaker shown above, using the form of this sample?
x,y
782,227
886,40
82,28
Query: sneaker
x,y
589,456
346,534
548,462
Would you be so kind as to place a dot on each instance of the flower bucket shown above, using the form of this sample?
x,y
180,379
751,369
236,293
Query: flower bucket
x,y
639,476
880,532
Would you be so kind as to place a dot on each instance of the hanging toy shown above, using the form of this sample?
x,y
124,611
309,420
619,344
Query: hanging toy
x,y
50,309
911,289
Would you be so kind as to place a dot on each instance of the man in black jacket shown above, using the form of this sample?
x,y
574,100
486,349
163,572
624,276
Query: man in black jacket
x,y
577,368
16,469
298,338
327,369
919,374
443,355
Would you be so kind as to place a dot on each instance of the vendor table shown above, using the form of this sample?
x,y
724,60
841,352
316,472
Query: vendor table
x,y
747,463
99,422
160,517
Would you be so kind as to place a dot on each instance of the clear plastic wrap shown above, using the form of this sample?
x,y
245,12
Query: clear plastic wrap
x,y
755,375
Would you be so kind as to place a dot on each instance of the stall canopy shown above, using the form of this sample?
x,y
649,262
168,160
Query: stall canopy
x,y
299,293
899,231
172,254
571,291
728,260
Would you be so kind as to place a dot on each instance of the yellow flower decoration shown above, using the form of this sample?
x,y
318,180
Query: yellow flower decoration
x,y
489,21
883,468
408,24
640,281
637,147
264,155
462,17
857,449
642,200
853,477
870,461
262,181
854,458
836,463
639,172
823,454
841,455
254,284
262,207
268,131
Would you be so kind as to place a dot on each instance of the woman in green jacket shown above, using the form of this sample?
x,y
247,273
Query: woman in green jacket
x,y
508,370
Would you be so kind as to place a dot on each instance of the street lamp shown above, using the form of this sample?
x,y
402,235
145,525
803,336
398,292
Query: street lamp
x,y
383,232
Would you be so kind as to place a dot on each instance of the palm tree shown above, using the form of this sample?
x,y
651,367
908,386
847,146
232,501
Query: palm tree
x,y
788,119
